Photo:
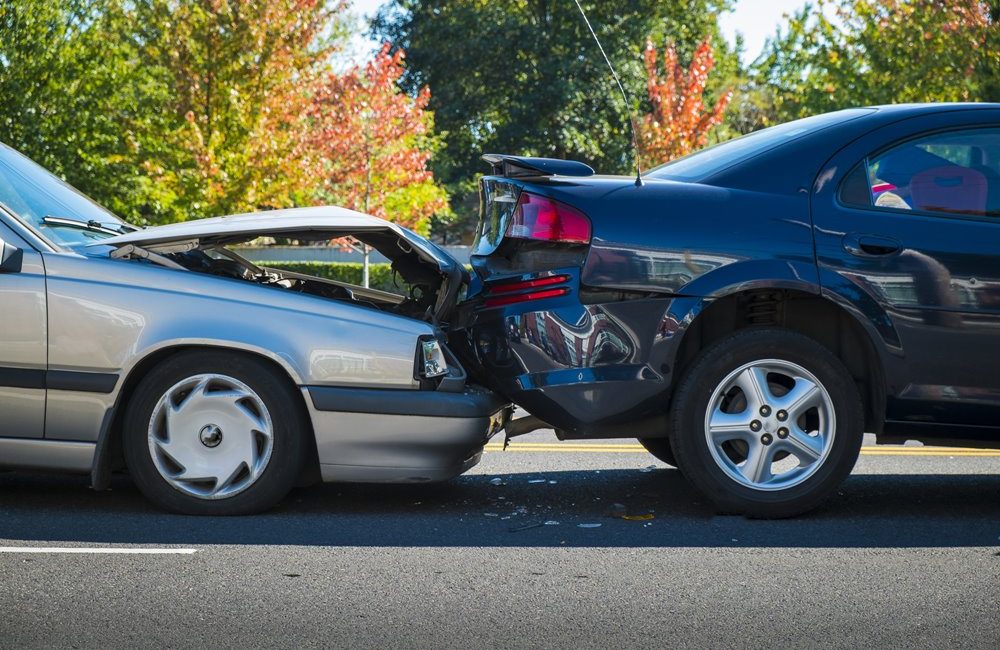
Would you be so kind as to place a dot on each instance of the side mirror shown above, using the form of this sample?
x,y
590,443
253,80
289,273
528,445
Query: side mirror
x,y
10,258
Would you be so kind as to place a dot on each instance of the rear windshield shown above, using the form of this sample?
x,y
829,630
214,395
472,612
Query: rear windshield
x,y
704,163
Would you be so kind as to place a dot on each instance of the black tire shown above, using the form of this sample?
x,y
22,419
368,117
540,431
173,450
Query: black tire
x,y
290,425
688,422
660,448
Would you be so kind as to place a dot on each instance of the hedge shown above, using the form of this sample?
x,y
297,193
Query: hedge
x,y
379,275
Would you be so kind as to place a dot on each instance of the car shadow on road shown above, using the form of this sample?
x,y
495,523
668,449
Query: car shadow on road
x,y
540,509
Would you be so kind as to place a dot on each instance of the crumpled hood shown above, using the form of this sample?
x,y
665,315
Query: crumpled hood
x,y
317,223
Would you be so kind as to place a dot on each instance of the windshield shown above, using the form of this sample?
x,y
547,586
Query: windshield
x,y
704,163
32,194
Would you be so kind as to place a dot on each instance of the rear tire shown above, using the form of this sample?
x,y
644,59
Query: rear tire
x,y
766,423
660,448
215,433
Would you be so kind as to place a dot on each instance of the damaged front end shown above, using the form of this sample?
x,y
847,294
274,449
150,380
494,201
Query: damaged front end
x,y
429,281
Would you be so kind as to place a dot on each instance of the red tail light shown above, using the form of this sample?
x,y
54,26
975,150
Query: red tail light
x,y
521,285
500,301
541,218
533,289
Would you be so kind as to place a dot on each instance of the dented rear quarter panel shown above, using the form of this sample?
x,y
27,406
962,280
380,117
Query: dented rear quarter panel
x,y
584,364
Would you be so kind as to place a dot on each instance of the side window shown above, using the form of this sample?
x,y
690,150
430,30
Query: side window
x,y
956,172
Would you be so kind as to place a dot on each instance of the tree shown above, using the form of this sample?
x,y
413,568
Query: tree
x,y
525,76
679,123
242,75
373,143
166,110
74,95
841,53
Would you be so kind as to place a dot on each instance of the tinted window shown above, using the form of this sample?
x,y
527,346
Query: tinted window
x,y
706,162
855,189
957,172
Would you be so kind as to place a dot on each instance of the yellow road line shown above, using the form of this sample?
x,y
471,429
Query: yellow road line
x,y
626,448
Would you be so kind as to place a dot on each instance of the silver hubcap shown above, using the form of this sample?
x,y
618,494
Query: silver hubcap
x,y
210,436
770,424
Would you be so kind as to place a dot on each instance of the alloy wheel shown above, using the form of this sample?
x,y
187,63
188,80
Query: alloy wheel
x,y
770,424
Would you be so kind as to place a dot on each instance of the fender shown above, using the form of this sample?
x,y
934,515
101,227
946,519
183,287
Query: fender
x,y
860,304
683,312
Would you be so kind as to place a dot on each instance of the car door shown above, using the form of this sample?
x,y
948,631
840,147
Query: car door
x,y
907,223
22,338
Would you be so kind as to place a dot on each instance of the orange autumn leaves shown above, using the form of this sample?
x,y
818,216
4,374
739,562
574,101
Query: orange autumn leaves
x,y
373,143
680,121
259,116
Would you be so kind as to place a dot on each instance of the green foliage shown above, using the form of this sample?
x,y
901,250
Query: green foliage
x,y
167,110
525,76
840,53
380,275
75,96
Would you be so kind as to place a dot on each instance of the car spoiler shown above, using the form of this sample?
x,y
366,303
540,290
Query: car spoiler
x,y
523,167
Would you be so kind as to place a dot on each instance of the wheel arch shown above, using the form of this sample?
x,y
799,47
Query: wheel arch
x,y
801,309
108,455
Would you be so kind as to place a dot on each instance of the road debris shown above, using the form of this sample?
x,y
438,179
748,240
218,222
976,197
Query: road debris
x,y
537,480
526,527
643,517
496,481
589,525
551,523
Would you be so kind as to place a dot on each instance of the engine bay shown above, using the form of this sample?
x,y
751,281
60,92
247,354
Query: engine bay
x,y
416,299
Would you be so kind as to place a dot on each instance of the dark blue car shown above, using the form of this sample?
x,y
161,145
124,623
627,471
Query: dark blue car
x,y
750,310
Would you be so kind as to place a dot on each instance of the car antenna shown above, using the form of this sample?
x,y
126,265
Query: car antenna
x,y
628,104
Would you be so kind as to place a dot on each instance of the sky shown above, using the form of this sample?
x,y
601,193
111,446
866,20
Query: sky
x,y
755,19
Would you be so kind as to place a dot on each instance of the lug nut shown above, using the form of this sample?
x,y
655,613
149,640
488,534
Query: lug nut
x,y
782,416
766,439
755,425
765,411
782,433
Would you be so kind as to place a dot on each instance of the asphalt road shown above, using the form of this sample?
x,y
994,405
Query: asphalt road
x,y
908,555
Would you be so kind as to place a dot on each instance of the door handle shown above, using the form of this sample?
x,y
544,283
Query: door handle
x,y
870,245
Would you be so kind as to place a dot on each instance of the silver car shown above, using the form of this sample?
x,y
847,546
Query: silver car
x,y
219,384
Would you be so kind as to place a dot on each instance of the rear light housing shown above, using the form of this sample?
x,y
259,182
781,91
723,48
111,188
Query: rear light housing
x,y
509,293
543,219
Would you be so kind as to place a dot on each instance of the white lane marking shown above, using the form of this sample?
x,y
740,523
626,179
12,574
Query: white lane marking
x,y
82,550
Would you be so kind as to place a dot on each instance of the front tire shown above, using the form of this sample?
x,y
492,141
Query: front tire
x,y
767,423
215,433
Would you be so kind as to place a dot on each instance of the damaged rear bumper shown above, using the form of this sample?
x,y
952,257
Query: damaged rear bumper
x,y
584,369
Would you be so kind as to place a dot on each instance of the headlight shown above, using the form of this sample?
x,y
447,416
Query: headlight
x,y
432,359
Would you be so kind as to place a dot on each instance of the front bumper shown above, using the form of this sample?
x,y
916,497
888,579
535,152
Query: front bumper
x,y
401,436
